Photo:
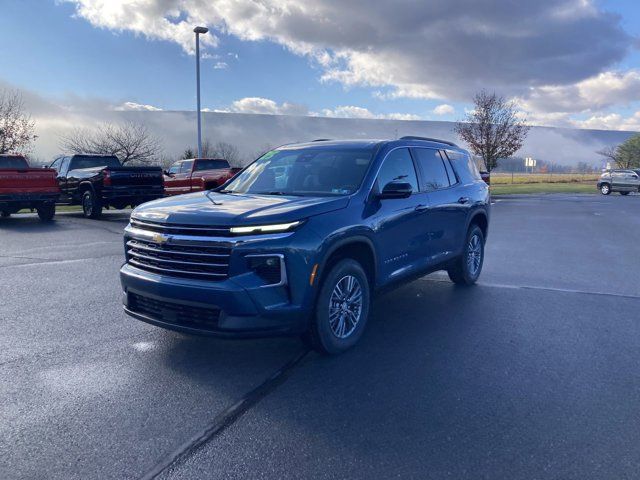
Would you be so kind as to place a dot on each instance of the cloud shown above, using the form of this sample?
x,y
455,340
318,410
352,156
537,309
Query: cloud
x,y
267,106
128,106
599,92
425,49
612,121
444,109
350,111
221,66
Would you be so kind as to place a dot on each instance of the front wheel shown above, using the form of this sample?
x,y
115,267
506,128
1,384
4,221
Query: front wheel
x,y
46,211
91,205
342,309
605,189
466,269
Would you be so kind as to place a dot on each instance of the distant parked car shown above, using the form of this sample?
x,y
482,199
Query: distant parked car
x,y
97,181
623,181
25,187
486,176
196,174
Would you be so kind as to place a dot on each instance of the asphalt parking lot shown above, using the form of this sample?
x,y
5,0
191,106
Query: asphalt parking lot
x,y
533,373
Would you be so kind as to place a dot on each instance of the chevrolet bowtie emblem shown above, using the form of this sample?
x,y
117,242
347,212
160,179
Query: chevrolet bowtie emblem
x,y
159,238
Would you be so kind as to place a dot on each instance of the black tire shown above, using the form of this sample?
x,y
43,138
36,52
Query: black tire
x,y
605,189
46,212
91,205
323,335
624,193
461,270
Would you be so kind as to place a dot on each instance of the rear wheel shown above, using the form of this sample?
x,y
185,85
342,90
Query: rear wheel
x,y
91,205
605,189
466,269
342,309
624,193
46,211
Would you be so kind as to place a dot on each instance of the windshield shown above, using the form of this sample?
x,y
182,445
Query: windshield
x,y
13,162
92,162
309,171
211,164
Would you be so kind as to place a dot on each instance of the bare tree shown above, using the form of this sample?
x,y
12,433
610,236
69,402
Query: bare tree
x,y
16,127
130,142
227,151
494,129
218,150
625,155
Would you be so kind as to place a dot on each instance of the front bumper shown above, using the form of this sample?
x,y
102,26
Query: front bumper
x,y
222,308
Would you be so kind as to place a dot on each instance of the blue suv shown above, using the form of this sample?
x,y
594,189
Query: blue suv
x,y
300,240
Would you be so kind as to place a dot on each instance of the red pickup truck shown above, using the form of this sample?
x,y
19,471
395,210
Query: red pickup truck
x,y
24,187
195,174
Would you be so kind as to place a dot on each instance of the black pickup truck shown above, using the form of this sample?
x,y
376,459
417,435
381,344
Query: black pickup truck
x,y
100,181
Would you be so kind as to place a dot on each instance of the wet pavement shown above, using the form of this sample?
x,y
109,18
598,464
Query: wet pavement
x,y
533,373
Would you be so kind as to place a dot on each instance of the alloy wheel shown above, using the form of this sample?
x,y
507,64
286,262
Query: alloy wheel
x,y
474,255
345,306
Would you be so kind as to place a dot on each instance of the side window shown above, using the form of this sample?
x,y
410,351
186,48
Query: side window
x,y
64,165
398,166
450,173
175,168
56,164
434,173
464,166
186,166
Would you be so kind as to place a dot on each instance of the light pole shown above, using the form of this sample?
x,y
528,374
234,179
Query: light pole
x,y
198,31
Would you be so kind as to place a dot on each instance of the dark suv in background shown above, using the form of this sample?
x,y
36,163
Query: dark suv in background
x,y
298,242
101,181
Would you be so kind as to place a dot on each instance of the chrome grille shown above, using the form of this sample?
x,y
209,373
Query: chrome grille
x,y
177,229
180,251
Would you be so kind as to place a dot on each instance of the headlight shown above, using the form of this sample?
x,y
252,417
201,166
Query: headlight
x,y
278,227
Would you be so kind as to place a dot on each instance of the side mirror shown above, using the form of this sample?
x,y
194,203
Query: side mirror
x,y
396,189
168,173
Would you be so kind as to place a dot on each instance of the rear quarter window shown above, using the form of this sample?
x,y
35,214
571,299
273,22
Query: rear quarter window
x,y
464,166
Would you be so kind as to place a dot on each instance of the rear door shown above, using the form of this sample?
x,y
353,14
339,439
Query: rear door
x,y
448,209
631,181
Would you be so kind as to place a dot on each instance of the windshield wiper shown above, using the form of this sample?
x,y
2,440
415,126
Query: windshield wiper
x,y
275,192
222,191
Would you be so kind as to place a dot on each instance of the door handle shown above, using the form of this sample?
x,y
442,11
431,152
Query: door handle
x,y
421,208
463,200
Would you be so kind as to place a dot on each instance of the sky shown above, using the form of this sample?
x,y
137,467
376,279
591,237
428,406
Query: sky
x,y
566,63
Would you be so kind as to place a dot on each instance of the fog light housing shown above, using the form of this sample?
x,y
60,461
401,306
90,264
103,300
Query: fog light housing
x,y
269,267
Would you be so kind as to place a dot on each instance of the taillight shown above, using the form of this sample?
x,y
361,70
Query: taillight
x,y
106,178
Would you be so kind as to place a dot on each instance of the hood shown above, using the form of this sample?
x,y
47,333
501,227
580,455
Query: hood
x,y
210,208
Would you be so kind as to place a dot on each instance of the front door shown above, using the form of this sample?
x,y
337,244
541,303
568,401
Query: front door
x,y
180,179
399,222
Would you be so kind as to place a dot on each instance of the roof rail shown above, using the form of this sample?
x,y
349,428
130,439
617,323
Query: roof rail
x,y
428,139
321,140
